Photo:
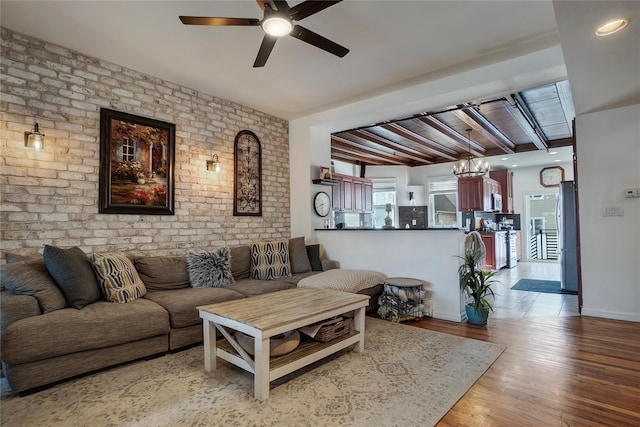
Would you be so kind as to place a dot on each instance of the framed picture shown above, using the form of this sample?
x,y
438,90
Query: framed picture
x,y
137,159
247,189
325,173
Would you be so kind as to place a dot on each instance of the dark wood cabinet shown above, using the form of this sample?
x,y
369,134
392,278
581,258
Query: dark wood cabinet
x,y
475,194
496,245
352,194
505,178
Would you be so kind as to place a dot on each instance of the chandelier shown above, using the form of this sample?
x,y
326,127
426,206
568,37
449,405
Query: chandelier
x,y
470,167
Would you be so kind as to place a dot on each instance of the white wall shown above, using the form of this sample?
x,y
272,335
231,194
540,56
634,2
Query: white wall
x,y
608,153
425,255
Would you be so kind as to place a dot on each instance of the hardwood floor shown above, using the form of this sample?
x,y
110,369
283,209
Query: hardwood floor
x,y
556,371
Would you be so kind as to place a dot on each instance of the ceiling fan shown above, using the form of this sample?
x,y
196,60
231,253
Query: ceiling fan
x,y
277,22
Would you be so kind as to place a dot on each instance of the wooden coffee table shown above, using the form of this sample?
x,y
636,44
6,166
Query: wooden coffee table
x,y
267,315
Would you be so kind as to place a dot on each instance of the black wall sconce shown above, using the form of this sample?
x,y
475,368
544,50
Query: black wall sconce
x,y
34,139
213,164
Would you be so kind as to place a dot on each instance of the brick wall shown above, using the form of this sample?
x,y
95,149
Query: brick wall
x,y
51,196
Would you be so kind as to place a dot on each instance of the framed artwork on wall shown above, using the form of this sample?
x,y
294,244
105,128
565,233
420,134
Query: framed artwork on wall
x,y
247,188
137,159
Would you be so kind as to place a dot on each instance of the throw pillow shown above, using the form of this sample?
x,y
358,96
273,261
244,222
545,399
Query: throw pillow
x,y
314,257
32,278
118,277
298,256
210,269
71,269
270,260
240,262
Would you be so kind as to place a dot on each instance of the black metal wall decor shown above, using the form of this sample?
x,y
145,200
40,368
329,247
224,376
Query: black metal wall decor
x,y
247,190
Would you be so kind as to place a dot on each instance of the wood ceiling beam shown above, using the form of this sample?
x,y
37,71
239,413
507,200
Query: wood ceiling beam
x,y
483,126
338,155
356,149
372,140
428,144
528,123
455,138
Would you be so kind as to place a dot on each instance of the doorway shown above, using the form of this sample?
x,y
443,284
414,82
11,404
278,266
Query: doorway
x,y
541,235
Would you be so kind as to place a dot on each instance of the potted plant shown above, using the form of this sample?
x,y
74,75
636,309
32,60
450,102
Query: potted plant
x,y
476,284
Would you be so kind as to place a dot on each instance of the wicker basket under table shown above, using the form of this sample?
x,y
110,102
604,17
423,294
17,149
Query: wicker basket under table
x,y
338,329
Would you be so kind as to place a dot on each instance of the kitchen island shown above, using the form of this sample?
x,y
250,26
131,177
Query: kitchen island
x,y
424,254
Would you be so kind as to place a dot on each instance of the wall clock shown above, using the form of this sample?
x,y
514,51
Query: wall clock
x,y
322,203
551,176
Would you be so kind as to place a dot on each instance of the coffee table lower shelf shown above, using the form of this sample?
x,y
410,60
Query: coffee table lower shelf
x,y
306,353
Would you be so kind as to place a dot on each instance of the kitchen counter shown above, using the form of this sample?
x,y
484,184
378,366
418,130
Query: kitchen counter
x,y
387,229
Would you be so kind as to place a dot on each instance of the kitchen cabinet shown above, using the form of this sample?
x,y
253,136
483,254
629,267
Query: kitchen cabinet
x,y
496,245
505,178
352,194
475,194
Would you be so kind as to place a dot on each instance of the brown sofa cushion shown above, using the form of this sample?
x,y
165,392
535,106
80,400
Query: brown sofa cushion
x,y
298,256
251,287
240,262
98,325
163,272
32,278
181,303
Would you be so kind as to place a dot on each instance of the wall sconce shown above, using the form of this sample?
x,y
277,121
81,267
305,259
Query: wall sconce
x,y
412,199
213,164
34,139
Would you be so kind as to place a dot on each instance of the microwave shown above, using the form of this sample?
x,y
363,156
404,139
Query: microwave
x,y
496,202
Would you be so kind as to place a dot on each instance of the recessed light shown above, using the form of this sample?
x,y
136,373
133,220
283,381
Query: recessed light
x,y
611,27
504,158
552,153
557,160
514,166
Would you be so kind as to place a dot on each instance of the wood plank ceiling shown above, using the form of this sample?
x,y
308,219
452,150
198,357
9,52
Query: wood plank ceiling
x,y
534,119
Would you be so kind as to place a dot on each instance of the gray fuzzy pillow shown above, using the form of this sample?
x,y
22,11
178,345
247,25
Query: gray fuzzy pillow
x,y
210,269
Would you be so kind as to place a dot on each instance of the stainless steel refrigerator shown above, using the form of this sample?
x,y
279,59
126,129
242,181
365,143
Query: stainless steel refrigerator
x,y
567,235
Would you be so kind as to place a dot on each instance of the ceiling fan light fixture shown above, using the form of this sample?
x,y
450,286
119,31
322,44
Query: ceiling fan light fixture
x,y
611,27
277,25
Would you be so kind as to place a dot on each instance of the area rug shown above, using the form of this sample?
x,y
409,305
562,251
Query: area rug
x,y
544,286
406,376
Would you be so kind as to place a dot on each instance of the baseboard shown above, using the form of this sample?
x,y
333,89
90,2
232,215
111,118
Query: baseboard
x,y
447,316
630,317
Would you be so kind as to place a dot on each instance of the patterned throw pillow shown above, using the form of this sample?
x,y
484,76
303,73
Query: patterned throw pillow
x,y
270,260
210,269
117,277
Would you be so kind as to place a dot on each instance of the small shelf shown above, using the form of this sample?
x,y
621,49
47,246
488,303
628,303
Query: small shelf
x,y
326,181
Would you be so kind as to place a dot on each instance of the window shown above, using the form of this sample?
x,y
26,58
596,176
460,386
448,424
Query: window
x,y
443,201
384,193
128,150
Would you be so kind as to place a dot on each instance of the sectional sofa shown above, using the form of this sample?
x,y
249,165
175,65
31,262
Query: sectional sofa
x,y
51,331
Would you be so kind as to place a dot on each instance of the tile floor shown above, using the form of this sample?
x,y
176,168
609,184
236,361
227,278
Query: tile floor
x,y
510,304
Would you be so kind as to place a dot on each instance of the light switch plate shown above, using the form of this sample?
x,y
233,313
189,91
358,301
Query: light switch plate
x,y
632,192
613,211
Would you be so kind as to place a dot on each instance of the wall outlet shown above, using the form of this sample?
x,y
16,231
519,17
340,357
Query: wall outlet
x,y
632,192
613,211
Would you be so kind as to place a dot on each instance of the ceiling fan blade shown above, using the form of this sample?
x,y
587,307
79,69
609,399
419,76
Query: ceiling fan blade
x,y
281,5
317,40
308,8
265,50
203,20
262,2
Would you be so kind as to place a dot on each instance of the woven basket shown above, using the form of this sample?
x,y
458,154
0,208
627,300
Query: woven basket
x,y
338,329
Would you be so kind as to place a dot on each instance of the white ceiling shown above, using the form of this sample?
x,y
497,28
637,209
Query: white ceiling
x,y
392,43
